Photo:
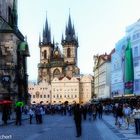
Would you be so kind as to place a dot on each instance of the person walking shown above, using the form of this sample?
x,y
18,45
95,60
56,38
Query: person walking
x,y
31,114
78,119
100,111
127,112
94,110
119,113
136,114
37,114
84,111
18,111
5,114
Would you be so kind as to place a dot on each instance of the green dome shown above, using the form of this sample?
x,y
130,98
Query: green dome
x,y
23,46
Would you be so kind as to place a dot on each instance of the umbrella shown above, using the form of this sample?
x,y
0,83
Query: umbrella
x,y
5,102
19,104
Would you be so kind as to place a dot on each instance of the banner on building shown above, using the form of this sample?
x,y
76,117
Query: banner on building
x,y
129,69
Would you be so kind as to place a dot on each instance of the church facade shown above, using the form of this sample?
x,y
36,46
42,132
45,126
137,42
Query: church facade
x,y
59,78
54,63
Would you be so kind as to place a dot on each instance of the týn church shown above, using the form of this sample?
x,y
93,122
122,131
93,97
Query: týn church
x,y
59,78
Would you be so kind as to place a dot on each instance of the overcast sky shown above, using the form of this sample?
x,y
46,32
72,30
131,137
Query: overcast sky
x,y
99,24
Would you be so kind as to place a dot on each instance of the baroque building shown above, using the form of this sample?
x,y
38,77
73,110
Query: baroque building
x,y
13,54
54,63
102,75
61,90
40,93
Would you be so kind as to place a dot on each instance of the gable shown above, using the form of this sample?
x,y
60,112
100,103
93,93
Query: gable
x,y
100,61
55,79
74,79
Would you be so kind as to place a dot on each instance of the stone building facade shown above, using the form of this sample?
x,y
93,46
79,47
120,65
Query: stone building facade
x,y
65,89
102,75
40,93
74,89
13,54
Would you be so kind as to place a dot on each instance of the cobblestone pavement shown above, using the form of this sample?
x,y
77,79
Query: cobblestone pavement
x,y
58,128
13,118
123,133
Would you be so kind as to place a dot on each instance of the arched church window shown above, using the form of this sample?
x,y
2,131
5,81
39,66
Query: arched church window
x,y
45,54
68,52
56,73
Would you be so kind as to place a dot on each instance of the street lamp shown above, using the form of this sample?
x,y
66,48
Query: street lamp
x,y
5,81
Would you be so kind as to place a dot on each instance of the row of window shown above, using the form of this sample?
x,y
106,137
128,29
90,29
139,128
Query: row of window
x,y
41,96
65,89
136,50
136,36
40,88
54,96
70,89
137,85
44,53
65,96
136,63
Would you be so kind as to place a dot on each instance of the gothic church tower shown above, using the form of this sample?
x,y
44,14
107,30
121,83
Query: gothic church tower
x,y
46,48
70,46
54,63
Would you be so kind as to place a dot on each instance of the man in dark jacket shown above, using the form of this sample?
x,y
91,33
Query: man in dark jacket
x,y
18,111
5,113
78,119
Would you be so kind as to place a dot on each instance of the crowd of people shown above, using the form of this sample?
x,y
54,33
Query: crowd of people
x,y
124,113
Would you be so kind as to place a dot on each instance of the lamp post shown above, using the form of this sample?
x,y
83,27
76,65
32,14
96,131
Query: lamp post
x,y
6,81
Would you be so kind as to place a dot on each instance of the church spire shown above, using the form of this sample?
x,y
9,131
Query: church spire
x,y
69,25
70,36
46,33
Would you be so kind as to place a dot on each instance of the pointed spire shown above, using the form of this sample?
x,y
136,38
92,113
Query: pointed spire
x,y
70,32
46,33
62,38
49,35
53,41
39,39
69,24
14,15
77,39
73,29
46,25
66,30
